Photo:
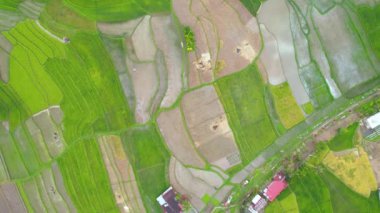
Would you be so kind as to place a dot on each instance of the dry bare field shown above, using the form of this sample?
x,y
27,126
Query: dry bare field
x,y
209,128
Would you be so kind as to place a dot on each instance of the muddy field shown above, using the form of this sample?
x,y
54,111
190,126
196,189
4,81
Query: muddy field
x,y
168,42
45,128
120,172
187,184
279,26
209,128
45,194
222,47
270,58
177,139
148,57
10,199
347,56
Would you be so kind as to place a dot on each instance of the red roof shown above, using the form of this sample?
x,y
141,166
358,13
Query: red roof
x,y
276,187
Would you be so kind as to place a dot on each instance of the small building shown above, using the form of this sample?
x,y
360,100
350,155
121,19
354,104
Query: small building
x,y
168,201
277,185
373,122
258,204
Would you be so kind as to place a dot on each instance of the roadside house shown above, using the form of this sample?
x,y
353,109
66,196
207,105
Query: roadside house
x,y
168,202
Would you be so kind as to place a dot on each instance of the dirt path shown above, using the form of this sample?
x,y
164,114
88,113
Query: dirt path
x,y
49,33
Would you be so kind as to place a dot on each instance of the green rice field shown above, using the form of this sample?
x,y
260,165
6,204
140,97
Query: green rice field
x,y
150,160
242,97
345,139
117,10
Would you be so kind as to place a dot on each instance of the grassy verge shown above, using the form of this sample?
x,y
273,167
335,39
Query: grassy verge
x,y
242,97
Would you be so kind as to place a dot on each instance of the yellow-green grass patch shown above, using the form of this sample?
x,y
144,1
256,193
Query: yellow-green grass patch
x,y
286,106
354,169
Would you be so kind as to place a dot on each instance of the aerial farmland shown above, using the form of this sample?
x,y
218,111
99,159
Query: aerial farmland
x,y
190,106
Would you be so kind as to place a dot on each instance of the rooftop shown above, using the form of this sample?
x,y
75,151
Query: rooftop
x,y
168,202
277,185
373,121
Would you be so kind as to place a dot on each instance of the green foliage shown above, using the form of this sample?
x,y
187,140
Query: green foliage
x,y
308,108
312,193
345,139
343,199
252,5
86,179
321,150
242,97
370,108
149,159
190,39
369,17
285,202
117,10
10,5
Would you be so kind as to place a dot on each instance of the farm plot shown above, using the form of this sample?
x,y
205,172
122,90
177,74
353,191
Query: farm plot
x,y
270,58
354,169
9,18
348,57
286,202
221,47
242,97
5,49
12,165
31,48
186,182
149,158
343,199
315,85
150,56
10,199
41,193
323,6
346,138
286,106
93,97
311,192
91,190
177,138
45,131
279,26
120,172
208,126
370,21
117,10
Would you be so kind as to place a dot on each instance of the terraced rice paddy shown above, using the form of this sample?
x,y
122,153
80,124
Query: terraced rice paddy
x,y
149,159
84,189
117,10
244,104
45,192
120,172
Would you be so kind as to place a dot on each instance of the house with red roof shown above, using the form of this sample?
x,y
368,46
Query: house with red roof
x,y
168,202
277,185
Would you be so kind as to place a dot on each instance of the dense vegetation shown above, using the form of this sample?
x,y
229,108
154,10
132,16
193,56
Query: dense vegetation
x,y
190,39
252,5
